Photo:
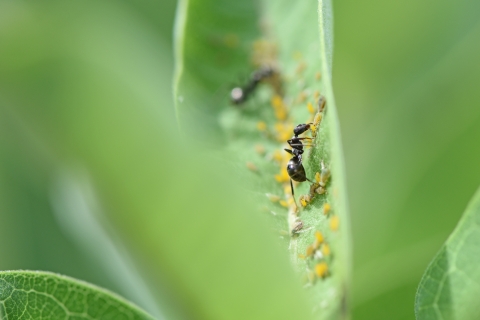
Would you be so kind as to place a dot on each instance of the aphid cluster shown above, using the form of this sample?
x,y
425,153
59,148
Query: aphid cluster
x,y
318,255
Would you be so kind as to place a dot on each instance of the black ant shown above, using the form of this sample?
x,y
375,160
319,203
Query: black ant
x,y
295,168
239,95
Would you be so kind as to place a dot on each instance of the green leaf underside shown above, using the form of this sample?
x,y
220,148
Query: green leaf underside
x,y
450,287
42,295
210,64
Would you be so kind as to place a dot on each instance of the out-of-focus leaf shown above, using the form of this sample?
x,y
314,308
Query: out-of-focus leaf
x,y
450,286
42,45
42,295
81,105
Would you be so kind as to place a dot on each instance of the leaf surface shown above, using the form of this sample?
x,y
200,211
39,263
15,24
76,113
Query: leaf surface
x,y
219,45
450,286
42,295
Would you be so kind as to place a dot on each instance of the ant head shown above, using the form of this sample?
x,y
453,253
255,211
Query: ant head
x,y
237,95
301,128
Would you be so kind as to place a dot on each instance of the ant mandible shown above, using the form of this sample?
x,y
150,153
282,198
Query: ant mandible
x,y
295,168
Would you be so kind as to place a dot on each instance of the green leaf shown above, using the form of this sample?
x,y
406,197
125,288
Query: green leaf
x,y
31,98
42,295
90,108
216,44
450,287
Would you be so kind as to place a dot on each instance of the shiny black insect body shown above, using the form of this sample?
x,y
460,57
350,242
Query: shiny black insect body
x,y
240,94
295,168
301,128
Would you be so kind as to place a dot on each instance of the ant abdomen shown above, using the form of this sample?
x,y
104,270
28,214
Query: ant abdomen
x,y
295,169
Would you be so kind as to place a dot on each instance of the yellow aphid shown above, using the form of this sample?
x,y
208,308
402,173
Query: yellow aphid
x,y
318,75
279,107
317,177
272,197
301,67
283,203
321,103
309,251
321,269
326,208
260,149
326,250
317,119
319,237
316,123
252,166
310,108
281,114
311,276
261,126
316,94
334,222
316,244
282,176
277,102
278,156
301,256
304,200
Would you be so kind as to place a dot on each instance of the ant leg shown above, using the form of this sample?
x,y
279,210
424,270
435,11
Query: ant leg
x,y
293,194
298,141
300,145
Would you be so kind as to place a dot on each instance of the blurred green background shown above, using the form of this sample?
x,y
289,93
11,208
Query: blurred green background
x,y
406,80
56,58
